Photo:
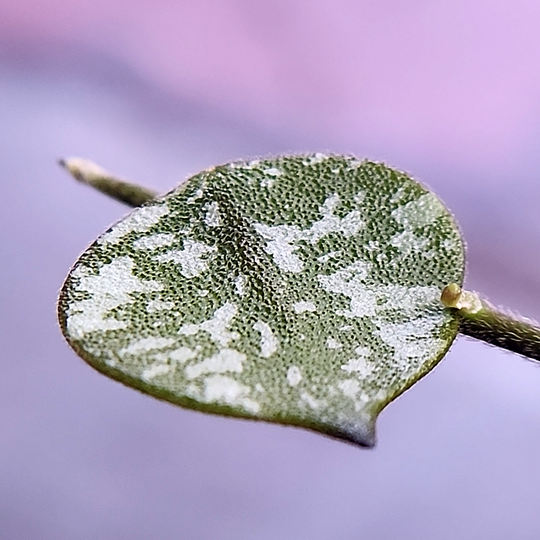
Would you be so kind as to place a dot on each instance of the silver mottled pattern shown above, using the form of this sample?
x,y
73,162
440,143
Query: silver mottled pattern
x,y
299,289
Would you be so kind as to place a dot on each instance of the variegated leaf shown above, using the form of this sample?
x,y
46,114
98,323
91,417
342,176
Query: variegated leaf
x,y
302,290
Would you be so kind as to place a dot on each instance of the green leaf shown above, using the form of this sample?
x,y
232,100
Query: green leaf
x,y
301,290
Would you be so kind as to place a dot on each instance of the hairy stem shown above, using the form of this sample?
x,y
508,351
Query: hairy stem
x,y
480,320
89,173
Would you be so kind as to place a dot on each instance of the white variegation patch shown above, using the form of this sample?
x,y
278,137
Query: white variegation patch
x,y
108,290
154,241
359,365
294,376
155,370
281,245
329,256
413,341
222,389
216,327
316,158
195,197
212,217
359,197
333,344
368,301
301,307
226,360
270,177
282,239
350,282
140,221
311,401
410,300
269,342
141,346
407,242
176,356
350,388
182,354
158,305
419,213
190,258
240,284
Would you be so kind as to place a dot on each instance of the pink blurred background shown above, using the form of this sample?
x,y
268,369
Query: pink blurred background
x,y
447,90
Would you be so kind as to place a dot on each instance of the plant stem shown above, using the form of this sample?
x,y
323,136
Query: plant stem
x,y
480,320
89,173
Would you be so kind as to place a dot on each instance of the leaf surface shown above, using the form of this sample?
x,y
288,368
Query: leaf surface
x,y
301,290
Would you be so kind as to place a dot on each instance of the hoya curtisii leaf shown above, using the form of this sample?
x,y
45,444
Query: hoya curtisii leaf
x,y
301,290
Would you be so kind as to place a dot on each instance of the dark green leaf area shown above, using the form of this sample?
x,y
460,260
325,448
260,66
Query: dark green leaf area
x,y
302,290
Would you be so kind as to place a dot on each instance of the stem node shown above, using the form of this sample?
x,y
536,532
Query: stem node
x,y
480,320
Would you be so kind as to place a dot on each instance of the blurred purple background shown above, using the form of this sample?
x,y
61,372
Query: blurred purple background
x,y
448,90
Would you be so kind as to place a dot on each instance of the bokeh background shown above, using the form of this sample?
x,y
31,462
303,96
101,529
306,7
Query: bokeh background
x,y
156,90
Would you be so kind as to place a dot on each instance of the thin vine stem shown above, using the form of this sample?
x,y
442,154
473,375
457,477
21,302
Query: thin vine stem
x,y
89,173
482,321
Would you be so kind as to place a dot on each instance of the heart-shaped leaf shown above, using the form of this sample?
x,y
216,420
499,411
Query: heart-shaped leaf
x,y
302,290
